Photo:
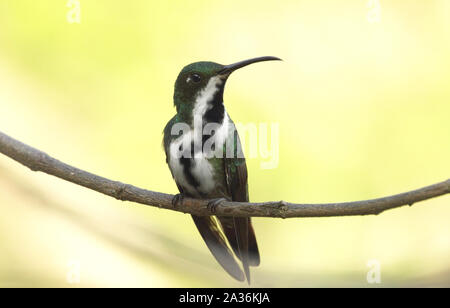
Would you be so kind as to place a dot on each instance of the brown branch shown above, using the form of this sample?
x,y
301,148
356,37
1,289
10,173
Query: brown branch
x,y
40,161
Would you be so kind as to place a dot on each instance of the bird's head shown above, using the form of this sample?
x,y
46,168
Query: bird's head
x,y
205,81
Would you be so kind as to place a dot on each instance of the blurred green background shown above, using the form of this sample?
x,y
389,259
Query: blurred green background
x,y
363,109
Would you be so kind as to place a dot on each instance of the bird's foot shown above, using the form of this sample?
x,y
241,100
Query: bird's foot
x,y
212,205
177,200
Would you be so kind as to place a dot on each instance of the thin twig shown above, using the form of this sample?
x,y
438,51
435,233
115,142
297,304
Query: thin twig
x,y
39,161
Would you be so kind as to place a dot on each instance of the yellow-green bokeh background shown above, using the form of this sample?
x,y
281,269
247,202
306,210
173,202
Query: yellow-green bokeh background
x,y
363,109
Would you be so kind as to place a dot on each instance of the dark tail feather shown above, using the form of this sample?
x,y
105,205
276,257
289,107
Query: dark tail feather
x,y
241,228
211,234
253,251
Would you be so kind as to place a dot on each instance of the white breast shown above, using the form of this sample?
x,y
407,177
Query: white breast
x,y
200,167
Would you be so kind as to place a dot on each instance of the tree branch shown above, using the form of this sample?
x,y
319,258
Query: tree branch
x,y
39,161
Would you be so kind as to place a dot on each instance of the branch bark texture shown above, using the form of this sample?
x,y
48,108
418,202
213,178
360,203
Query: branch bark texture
x,y
37,160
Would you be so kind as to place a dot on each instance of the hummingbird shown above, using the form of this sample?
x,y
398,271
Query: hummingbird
x,y
197,143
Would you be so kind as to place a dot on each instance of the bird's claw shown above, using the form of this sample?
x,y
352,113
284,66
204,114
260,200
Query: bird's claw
x,y
177,200
212,205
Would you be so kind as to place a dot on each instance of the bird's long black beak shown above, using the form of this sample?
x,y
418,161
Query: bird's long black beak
x,y
228,69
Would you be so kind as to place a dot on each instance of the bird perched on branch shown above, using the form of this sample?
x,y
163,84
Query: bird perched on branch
x,y
204,155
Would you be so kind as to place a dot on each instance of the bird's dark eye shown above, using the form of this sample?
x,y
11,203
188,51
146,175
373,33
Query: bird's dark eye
x,y
196,78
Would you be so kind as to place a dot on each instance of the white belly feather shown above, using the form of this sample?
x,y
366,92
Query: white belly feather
x,y
200,167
